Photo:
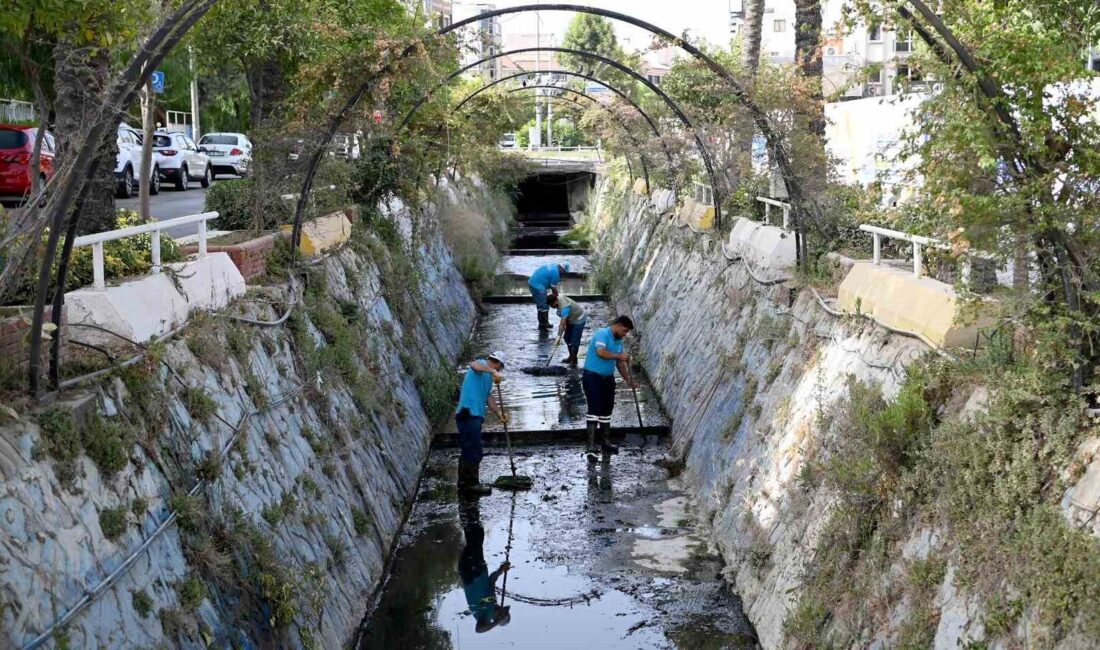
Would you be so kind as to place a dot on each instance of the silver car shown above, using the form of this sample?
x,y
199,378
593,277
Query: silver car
x,y
230,153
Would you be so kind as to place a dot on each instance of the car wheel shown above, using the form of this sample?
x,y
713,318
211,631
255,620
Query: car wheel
x,y
126,188
154,182
207,177
182,179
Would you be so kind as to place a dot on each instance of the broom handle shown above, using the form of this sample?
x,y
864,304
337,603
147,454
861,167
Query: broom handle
x,y
507,436
637,407
553,352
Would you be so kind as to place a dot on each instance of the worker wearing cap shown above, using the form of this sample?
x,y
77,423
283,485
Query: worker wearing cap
x,y
571,326
605,353
545,280
477,391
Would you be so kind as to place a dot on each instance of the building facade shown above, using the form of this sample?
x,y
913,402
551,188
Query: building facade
x,y
529,61
437,12
481,41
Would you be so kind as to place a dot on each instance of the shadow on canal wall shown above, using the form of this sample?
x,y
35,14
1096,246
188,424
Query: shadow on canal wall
x,y
323,426
748,374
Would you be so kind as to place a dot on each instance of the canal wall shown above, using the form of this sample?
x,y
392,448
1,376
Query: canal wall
x,y
754,376
269,458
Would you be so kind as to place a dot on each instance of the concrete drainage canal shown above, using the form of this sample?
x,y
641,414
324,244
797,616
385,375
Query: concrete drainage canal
x,y
602,554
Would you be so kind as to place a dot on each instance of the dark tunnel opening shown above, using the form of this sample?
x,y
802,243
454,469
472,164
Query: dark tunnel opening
x,y
544,203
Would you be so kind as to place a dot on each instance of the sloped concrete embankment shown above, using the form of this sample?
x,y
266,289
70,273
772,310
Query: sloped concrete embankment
x,y
287,533
746,372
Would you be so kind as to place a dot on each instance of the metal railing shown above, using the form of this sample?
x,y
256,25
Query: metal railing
x,y
96,241
769,204
918,242
13,110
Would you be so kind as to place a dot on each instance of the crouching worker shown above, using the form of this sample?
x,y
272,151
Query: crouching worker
x,y
477,391
545,279
571,326
605,352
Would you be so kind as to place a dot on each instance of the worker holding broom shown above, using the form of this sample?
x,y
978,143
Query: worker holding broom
x,y
605,353
477,391
571,326
545,279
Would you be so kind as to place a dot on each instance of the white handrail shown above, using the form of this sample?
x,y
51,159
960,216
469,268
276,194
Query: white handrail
x,y
918,242
96,240
768,203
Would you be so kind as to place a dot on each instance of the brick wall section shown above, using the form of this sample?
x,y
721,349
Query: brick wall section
x,y
15,340
249,257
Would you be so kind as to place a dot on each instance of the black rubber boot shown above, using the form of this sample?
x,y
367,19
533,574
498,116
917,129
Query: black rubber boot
x,y
571,360
468,479
591,449
544,320
605,439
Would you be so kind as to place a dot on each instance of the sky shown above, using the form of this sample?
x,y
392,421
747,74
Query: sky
x,y
704,19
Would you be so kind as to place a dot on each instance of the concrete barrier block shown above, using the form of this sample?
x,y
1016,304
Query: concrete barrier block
x,y
897,299
704,217
153,305
664,200
323,233
763,245
640,187
686,211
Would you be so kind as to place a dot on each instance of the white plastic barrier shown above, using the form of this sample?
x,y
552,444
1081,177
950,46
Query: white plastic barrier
x,y
761,245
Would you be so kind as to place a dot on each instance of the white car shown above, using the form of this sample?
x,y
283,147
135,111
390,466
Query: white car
x,y
180,161
230,153
128,163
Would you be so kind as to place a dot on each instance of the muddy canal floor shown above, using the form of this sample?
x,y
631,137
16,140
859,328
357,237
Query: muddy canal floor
x,y
603,555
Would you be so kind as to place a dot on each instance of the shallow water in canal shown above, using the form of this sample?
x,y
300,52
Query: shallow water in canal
x,y
603,555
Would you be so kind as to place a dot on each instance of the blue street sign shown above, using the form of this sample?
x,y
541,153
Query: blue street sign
x,y
158,81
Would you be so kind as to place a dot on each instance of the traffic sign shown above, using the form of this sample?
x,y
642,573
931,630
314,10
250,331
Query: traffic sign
x,y
158,81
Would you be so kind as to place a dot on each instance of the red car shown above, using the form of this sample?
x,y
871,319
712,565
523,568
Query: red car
x,y
16,146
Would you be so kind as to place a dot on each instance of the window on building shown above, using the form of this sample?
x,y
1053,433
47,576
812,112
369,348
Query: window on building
x,y
874,32
654,79
1094,65
779,25
904,42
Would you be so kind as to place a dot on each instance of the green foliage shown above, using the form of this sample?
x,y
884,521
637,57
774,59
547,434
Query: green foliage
x,y
438,391
246,204
361,520
200,404
108,442
255,390
189,515
210,468
192,591
112,521
60,437
142,602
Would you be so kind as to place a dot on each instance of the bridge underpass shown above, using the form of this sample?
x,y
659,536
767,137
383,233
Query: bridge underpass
x,y
602,554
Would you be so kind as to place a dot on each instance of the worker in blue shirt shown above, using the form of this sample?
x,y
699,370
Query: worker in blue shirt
x,y
571,326
605,353
477,391
545,279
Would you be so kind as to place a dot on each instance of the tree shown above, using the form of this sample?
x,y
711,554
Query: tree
x,y
596,34
807,44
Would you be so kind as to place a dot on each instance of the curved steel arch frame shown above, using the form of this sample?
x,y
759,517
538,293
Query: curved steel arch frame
x,y
70,186
579,75
708,160
577,93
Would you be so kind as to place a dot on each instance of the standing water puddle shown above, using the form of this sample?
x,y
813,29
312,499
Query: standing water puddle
x,y
603,555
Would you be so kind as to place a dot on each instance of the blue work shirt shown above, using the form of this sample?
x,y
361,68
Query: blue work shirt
x,y
602,339
544,277
476,387
571,309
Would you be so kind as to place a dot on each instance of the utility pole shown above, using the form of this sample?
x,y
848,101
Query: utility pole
x,y
549,122
196,133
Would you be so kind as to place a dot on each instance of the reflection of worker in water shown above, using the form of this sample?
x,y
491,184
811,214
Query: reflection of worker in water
x,y
545,279
571,326
477,582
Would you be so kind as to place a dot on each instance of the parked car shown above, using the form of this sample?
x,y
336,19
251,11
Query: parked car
x,y
345,146
128,163
180,160
230,153
508,141
16,149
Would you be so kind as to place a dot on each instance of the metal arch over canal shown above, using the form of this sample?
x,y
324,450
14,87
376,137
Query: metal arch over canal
x,y
579,75
708,160
69,191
